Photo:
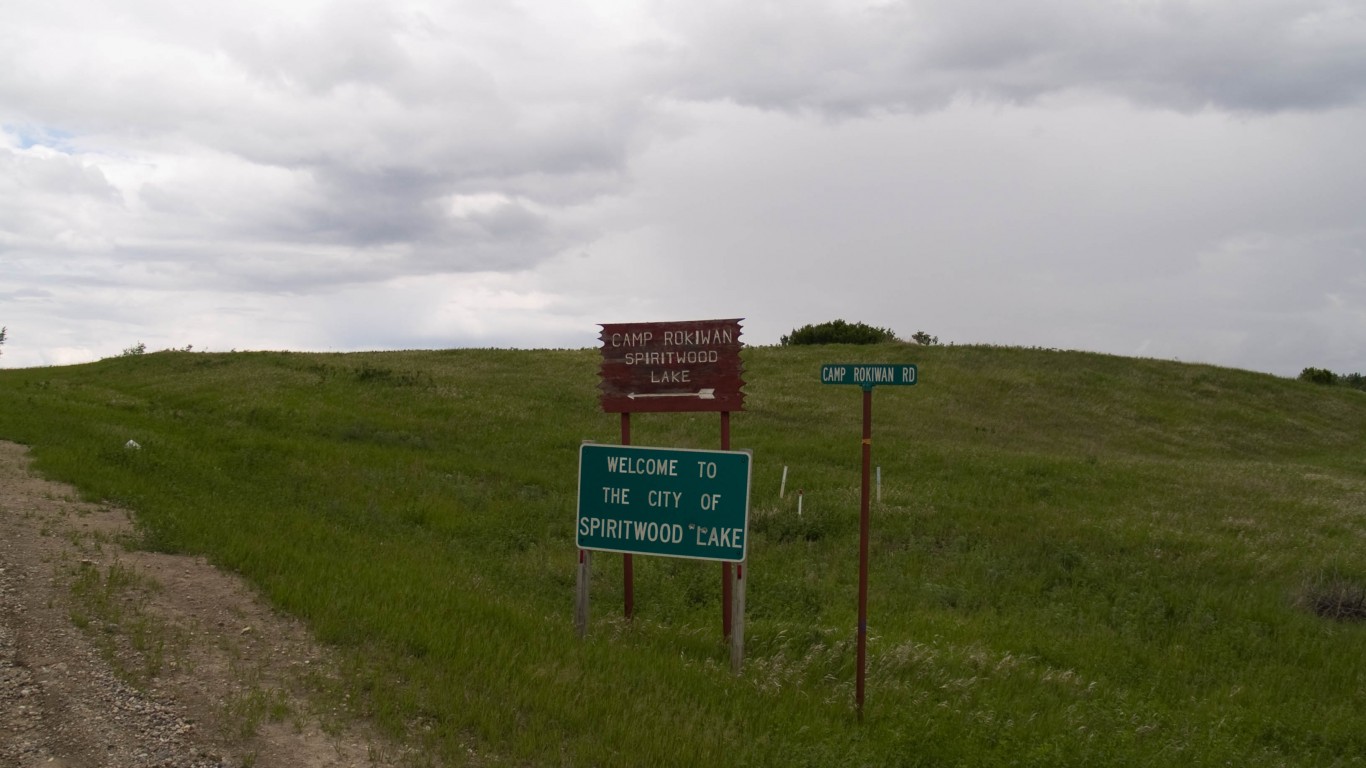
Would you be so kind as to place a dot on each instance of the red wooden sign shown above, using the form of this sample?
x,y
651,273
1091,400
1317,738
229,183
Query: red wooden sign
x,y
692,365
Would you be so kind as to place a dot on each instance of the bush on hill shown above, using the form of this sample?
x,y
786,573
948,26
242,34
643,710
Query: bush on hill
x,y
1328,378
838,332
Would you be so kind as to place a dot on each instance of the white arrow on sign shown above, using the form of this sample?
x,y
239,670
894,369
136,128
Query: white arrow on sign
x,y
701,394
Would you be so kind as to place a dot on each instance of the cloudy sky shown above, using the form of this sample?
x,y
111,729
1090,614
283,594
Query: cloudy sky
x,y
1179,179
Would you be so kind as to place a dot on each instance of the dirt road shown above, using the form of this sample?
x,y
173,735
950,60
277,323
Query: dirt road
x,y
116,657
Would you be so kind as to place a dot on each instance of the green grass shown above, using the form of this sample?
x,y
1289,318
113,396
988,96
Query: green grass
x,y
1079,559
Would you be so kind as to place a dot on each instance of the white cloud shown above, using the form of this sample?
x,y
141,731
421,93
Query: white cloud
x,y
846,58
1181,178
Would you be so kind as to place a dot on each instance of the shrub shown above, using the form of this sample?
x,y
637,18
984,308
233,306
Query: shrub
x,y
1328,378
838,332
1319,376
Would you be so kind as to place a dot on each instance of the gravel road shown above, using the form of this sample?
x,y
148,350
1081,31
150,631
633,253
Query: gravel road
x,y
114,657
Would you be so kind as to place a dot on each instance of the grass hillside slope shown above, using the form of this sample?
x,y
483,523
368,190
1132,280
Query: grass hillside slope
x,y
1078,559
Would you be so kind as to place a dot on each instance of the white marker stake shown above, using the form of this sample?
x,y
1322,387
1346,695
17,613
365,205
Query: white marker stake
x,y
782,489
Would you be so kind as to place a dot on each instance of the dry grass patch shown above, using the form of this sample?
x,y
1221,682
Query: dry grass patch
x,y
1333,595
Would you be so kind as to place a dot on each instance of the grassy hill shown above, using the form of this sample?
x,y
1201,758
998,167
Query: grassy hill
x,y
1078,559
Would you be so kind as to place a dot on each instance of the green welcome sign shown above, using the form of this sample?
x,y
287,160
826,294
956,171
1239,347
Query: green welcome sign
x,y
674,502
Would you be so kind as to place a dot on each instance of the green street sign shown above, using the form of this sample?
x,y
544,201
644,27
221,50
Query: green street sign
x,y
674,502
868,375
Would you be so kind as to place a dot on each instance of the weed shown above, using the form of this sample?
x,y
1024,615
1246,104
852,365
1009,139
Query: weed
x,y
110,606
245,711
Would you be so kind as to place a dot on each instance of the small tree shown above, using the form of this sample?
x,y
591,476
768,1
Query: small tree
x,y
3,333
924,339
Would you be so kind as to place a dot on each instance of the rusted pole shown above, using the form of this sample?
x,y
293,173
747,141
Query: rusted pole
x,y
863,548
628,571
726,581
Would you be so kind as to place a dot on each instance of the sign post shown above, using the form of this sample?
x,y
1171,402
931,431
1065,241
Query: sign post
x,y
628,564
672,367
866,376
582,579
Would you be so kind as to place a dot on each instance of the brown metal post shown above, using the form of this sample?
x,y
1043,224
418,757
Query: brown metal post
x,y
863,547
726,596
628,571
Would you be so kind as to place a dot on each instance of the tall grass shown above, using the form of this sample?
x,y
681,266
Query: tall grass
x,y
1079,559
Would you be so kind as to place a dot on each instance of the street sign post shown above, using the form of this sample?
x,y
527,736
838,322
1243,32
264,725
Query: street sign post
x,y
674,502
867,376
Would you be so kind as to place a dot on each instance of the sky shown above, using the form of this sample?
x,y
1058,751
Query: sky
x,y
1173,179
